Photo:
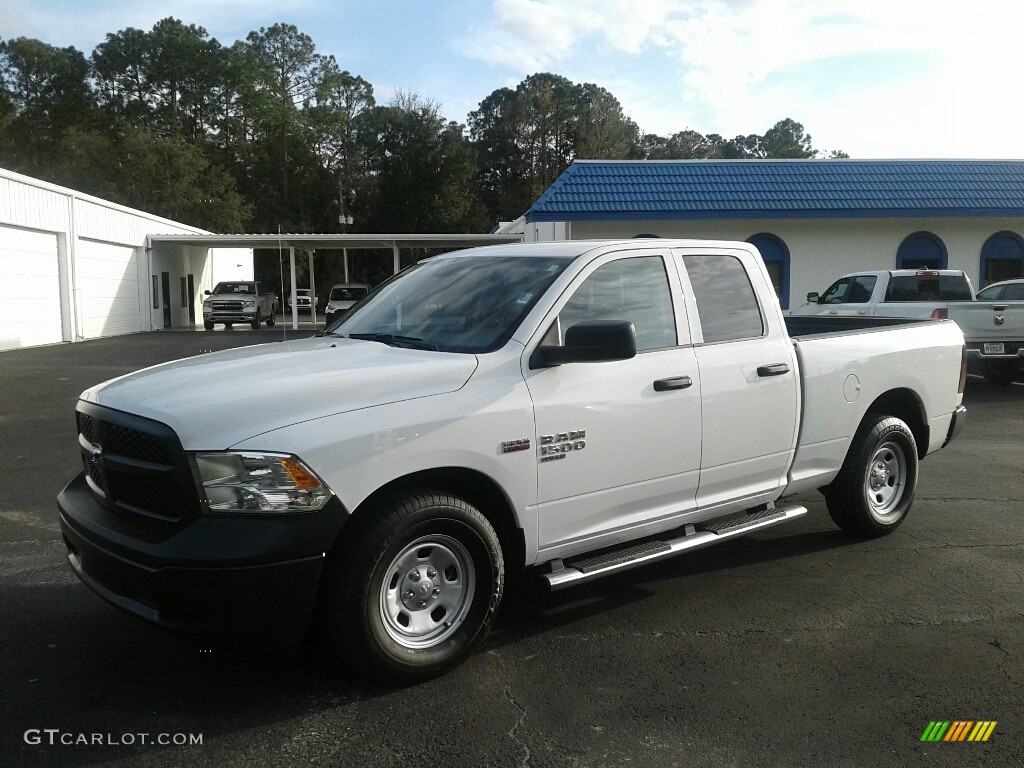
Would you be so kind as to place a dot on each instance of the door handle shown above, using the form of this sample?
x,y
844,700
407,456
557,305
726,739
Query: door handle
x,y
676,382
775,369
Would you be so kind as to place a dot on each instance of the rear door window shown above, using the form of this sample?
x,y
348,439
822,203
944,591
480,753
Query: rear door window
x,y
726,303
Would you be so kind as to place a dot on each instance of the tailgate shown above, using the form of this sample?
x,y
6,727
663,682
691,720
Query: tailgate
x,y
990,322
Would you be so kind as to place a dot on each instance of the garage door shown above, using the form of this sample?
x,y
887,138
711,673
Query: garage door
x,y
29,289
108,285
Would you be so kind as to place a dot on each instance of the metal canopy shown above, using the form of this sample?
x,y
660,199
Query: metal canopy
x,y
313,242
322,241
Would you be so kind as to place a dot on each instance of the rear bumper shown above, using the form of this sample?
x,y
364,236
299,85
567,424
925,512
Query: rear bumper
x,y
956,424
238,577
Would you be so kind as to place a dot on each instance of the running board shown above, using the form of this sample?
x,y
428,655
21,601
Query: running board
x,y
705,534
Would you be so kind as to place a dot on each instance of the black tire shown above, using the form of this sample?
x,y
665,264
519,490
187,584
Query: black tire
x,y
1000,372
411,587
273,317
255,323
208,325
873,491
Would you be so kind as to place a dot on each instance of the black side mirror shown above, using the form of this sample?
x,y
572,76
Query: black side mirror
x,y
593,341
206,292
813,298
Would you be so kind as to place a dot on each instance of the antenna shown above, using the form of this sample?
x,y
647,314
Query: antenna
x,y
280,264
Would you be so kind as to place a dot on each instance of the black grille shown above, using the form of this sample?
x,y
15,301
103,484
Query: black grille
x,y
229,306
138,445
85,425
136,466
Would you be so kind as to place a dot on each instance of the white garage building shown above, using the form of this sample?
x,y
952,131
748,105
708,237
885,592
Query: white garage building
x,y
74,267
812,220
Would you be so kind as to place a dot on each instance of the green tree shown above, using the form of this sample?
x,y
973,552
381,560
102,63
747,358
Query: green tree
x,y
45,92
527,137
418,170
163,175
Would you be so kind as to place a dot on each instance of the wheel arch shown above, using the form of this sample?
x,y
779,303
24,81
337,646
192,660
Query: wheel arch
x,y
473,487
906,405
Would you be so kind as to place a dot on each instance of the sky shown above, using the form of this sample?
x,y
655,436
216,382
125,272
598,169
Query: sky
x,y
873,78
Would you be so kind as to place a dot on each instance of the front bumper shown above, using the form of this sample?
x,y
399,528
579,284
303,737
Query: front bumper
x,y
240,576
229,317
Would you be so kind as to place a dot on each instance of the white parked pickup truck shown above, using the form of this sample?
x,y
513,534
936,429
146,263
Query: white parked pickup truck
x,y
993,326
920,293
569,409
239,301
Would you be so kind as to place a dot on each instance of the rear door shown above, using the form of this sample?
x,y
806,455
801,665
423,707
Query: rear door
x,y
749,378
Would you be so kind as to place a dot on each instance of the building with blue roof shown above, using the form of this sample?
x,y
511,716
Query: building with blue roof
x,y
812,220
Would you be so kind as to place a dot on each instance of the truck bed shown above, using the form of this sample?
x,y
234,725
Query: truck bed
x,y
803,326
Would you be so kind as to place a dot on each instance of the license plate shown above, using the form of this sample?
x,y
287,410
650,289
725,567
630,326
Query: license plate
x,y
994,349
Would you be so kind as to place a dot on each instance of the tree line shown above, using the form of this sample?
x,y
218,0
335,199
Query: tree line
x,y
268,133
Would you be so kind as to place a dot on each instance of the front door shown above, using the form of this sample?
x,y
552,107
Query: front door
x,y
191,300
165,284
618,442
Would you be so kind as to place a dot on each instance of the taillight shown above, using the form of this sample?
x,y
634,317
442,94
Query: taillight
x,y
940,314
963,370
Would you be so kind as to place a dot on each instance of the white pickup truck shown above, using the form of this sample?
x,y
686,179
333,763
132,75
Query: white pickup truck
x,y
569,409
993,328
239,301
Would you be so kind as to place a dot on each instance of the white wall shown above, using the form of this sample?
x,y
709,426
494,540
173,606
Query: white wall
x,y
103,265
822,250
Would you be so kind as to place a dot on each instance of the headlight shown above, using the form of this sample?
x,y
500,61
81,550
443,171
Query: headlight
x,y
258,482
248,304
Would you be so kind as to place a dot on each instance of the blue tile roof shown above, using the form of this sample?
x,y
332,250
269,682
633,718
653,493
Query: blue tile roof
x,y
721,189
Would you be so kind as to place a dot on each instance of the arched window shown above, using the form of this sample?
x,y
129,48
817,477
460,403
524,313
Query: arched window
x,y
1002,258
922,250
776,258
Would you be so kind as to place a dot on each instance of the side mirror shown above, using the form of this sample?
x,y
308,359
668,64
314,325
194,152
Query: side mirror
x,y
593,341
813,298
206,292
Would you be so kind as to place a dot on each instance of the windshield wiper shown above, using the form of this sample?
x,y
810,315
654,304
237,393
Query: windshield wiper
x,y
395,341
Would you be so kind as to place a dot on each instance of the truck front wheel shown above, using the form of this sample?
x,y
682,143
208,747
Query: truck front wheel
x,y
411,587
255,323
873,491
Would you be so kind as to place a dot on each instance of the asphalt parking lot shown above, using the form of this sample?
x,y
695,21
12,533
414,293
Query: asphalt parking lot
x,y
796,646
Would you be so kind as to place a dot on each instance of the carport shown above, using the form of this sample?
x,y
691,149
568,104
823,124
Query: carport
x,y
310,243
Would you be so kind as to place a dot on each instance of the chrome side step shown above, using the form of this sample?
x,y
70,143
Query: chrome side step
x,y
588,568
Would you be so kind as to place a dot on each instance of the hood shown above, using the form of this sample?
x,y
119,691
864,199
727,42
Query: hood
x,y
216,400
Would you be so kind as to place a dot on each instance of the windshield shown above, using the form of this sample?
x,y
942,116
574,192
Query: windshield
x,y
453,303
235,288
348,294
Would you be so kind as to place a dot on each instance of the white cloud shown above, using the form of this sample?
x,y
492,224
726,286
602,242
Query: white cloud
x,y
950,88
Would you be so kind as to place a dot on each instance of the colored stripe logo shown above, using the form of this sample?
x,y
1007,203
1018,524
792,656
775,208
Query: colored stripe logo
x,y
959,730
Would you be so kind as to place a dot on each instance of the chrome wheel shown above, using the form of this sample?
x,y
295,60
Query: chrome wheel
x,y
886,480
427,591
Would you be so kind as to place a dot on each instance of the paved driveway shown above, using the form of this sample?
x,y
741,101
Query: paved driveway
x,y
795,646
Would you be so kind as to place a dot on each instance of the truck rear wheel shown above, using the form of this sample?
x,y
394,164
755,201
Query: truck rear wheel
x,y
873,491
412,587
273,317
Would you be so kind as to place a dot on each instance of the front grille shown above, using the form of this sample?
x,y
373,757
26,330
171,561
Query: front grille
x,y
228,306
136,466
